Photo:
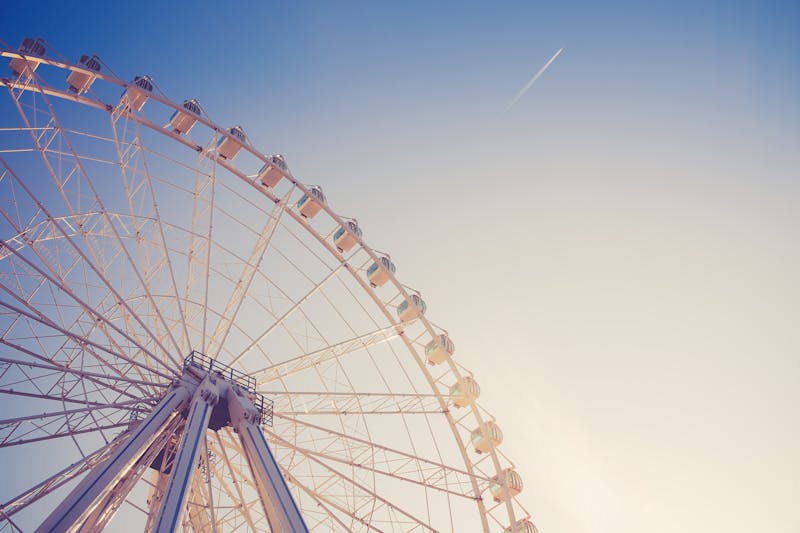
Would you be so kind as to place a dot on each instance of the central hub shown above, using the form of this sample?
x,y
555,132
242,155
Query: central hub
x,y
198,365
220,381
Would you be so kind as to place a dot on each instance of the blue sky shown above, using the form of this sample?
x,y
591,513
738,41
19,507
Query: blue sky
x,y
617,254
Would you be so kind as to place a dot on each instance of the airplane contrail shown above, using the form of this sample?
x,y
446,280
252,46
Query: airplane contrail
x,y
532,81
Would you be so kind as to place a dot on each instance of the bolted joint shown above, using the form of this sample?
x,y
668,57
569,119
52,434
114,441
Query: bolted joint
x,y
253,416
241,408
183,391
208,392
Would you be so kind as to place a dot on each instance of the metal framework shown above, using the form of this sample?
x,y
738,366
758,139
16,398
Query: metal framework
x,y
194,399
129,238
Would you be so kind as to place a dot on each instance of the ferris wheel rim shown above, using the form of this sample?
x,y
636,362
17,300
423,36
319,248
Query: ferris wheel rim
x,y
454,368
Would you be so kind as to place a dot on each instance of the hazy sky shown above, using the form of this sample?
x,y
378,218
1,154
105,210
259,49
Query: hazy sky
x,y
616,257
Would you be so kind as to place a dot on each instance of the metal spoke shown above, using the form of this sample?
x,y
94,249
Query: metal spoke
x,y
106,380
239,496
283,317
313,359
293,404
92,264
90,427
144,284
102,321
61,285
81,341
144,245
326,502
42,489
432,473
356,485
243,283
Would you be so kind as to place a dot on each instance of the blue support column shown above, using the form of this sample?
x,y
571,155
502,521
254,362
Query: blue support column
x,y
89,493
279,506
174,501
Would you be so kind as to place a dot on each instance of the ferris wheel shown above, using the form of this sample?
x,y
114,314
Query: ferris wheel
x,y
192,339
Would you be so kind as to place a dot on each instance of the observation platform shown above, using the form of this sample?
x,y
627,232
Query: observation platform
x,y
220,416
198,365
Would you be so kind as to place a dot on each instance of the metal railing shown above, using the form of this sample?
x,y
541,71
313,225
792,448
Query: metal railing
x,y
201,361
206,363
266,407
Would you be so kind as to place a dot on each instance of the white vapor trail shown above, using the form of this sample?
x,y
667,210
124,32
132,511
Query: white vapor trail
x,y
532,81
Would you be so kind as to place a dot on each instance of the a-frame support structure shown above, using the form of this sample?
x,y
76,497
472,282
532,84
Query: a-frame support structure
x,y
208,395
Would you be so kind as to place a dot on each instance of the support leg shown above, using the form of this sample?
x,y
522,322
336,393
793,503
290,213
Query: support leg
x,y
84,498
174,501
160,477
279,506
115,496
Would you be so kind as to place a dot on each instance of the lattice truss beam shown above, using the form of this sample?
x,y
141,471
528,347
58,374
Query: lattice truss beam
x,y
173,442
102,294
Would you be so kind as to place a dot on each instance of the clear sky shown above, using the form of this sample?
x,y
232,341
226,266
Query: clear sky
x,y
616,257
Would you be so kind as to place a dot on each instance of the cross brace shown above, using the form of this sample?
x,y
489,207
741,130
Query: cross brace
x,y
198,396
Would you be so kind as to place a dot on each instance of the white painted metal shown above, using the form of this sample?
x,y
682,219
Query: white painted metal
x,y
412,307
523,526
228,147
439,349
486,436
271,173
26,66
150,325
183,120
138,92
506,485
311,203
237,296
380,271
80,79
347,236
197,509
465,392
173,503
10,508
279,505
116,494
83,499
